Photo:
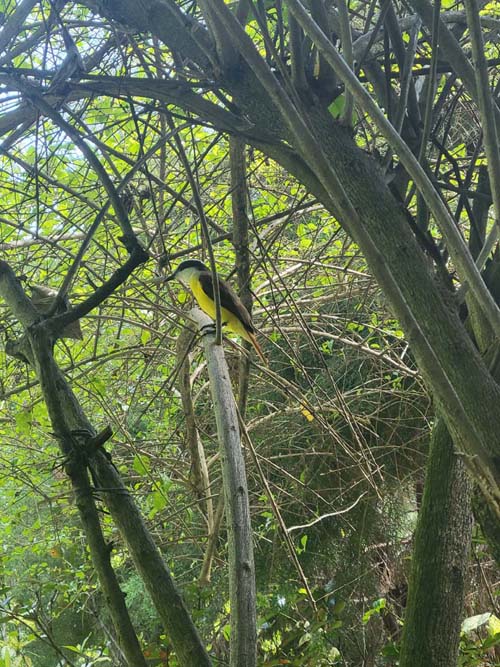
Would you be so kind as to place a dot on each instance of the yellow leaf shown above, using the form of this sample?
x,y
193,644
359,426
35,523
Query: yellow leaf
x,y
307,414
493,625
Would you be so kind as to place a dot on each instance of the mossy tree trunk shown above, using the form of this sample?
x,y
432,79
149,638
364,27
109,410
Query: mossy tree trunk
x,y
440,556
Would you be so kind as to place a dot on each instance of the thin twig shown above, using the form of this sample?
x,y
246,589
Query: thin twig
x,y
486,110
327,516
204,227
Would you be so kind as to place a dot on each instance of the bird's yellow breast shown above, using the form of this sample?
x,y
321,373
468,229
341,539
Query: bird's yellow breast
x,y
208,306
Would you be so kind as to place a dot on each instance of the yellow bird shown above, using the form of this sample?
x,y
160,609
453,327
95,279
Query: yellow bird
x,y
235,316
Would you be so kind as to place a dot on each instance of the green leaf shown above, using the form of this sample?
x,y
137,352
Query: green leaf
x,y
377,607
306,637
23,422
141,465
336,108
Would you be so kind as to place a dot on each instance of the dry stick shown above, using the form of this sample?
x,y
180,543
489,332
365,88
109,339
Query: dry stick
x,y
200,477
277,514
455,242
241,251
208,559
70,424
329,515
240,540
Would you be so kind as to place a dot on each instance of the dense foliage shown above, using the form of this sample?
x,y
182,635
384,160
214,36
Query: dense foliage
x,y
339,423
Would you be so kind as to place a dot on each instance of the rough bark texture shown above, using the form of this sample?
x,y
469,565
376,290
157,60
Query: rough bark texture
x,y
199,477
150,564
489,523
73,448
442,541
72,430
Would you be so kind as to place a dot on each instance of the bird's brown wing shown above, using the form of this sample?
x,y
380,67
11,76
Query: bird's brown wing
x,y
228,299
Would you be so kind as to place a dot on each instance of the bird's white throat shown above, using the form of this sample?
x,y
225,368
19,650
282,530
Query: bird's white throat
x,y
186,276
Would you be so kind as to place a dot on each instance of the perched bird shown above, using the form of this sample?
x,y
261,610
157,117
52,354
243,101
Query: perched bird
x,y
235,316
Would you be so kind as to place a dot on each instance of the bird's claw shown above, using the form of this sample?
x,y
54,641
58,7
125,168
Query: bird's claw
x,y
207,329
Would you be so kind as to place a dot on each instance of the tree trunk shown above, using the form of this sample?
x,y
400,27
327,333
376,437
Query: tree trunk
x,y
442,540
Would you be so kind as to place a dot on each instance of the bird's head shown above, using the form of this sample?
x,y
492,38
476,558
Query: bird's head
x,y
187,270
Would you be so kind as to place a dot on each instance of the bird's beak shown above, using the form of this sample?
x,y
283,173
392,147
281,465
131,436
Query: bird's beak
x,y
159,280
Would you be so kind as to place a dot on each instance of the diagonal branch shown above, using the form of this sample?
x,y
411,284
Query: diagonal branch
x,y
12,26
455,241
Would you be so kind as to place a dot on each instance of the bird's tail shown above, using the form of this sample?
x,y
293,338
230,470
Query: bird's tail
x,y
252,339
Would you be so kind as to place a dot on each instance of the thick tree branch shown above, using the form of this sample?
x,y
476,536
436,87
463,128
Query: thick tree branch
x,y
72,431
178,30
77,439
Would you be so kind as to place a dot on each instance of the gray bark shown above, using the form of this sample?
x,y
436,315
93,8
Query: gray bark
x,y
242,594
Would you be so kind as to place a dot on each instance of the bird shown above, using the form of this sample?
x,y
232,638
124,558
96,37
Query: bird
x,y
198,277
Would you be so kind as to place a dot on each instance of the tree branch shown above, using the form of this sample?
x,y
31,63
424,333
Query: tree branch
x,y
241,562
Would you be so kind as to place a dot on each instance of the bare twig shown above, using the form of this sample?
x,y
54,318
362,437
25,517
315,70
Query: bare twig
x,y
486,110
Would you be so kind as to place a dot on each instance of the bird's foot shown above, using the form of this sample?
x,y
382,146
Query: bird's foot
x,y
207,329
